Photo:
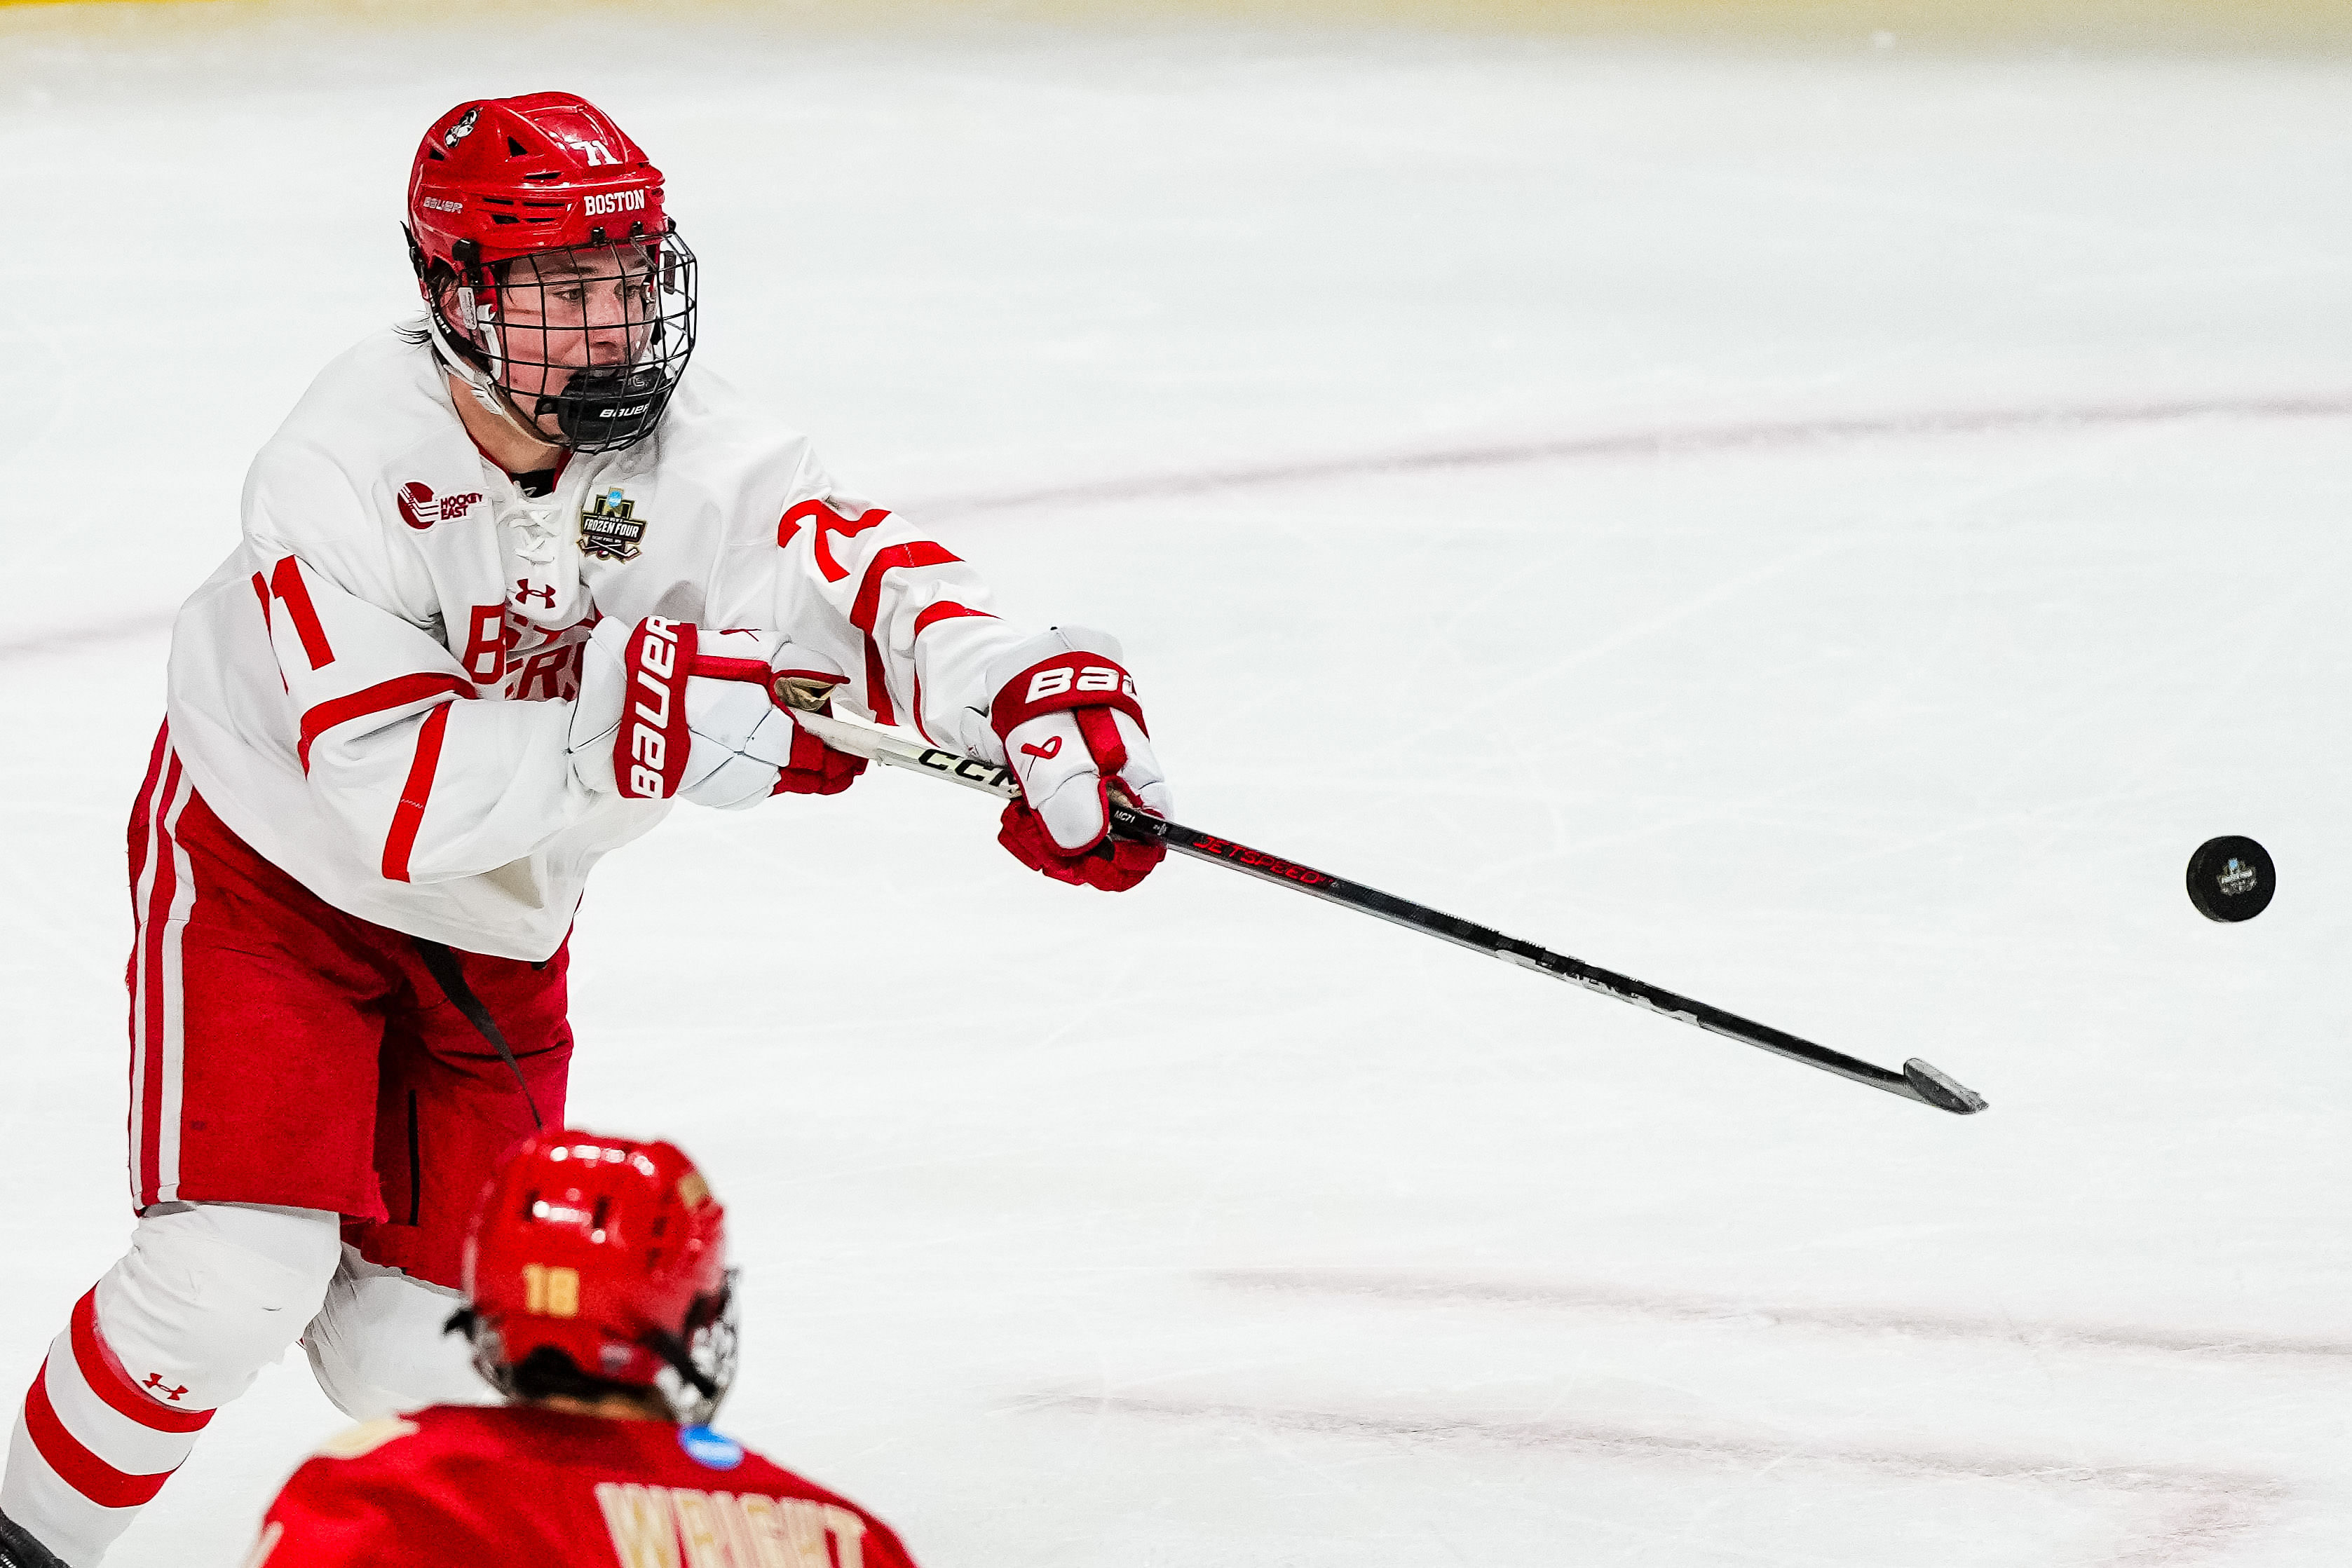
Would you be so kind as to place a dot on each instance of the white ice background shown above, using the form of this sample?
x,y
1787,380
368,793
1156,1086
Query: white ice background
x,y
1826,533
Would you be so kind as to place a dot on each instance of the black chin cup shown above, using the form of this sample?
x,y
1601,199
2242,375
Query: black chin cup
x,y
608,406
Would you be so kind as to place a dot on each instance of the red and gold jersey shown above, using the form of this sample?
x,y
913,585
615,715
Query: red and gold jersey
x,y
519,1487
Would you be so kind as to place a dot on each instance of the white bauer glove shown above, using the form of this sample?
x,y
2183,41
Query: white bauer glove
x,y
668,708
1073,729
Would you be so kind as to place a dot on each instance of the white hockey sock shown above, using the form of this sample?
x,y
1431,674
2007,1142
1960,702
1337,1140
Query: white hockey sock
x,y
380,1345
208,1296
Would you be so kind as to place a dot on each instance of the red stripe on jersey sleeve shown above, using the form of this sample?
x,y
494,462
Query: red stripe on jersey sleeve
x,y
102,1370
868,604
261,591
71,1459
946,610
409,815
383,696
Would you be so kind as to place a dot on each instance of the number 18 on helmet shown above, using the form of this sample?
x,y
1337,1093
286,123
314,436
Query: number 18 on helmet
x,y
598,1263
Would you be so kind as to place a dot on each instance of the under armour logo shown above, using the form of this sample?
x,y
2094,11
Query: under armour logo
x,y
524,591
154,1385
1050,750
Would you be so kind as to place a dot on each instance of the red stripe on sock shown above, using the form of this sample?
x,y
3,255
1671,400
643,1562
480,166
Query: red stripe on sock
x,y
102,1370
79,1469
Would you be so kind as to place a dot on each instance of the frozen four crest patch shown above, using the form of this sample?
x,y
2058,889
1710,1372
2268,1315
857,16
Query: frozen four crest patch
x,y
610,529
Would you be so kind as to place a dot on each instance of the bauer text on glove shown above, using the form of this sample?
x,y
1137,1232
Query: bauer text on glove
x,y
668,708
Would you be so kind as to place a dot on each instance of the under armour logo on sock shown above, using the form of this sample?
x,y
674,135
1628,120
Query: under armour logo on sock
x,y
154,1385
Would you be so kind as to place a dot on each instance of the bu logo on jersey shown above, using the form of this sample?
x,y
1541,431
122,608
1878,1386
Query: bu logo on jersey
x,y
419,510
611,529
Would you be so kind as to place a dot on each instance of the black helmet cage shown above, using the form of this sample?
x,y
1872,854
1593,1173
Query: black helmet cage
x,y
599,407
702,1369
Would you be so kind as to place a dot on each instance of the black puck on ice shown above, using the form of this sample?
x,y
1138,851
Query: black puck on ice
x,y
2232,878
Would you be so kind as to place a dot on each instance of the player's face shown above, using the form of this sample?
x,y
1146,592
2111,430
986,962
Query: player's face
x,y
566,312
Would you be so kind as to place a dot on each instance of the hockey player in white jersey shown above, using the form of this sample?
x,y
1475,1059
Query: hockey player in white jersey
x,y
512,582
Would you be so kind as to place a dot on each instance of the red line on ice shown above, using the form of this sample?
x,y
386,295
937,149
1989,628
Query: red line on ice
x,y
1736,1311
1604,444
2198,1512
1654,443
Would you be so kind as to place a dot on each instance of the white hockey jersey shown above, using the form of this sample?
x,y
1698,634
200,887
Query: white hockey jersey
x,y
374,689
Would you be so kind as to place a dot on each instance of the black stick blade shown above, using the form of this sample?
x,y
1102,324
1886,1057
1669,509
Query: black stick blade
x,y
1942,1090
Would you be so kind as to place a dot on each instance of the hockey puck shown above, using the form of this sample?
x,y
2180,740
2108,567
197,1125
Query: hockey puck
x,y
2232,878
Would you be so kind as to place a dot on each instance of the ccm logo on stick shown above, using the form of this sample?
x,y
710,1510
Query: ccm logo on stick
x,y
969,768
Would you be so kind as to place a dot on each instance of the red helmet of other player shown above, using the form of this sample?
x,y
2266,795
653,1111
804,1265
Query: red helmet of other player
x,y
596,1262
555,284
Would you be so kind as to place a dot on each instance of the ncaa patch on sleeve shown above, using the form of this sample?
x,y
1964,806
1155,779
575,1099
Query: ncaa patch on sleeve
x,y
708,1448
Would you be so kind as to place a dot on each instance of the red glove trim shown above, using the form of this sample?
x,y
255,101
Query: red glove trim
x,y
713,667
816,769
1114,865
1063,681
650,749
1100,732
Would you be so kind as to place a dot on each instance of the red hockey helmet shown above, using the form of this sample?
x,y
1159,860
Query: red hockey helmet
x,y
612,1252
554,279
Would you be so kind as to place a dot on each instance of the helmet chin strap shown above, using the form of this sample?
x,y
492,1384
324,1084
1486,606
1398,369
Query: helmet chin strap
x,y
487,392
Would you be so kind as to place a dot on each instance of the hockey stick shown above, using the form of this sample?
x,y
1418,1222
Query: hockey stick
x,y
1918,1080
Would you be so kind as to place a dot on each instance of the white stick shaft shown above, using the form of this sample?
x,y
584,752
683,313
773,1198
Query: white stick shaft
x,y
880,746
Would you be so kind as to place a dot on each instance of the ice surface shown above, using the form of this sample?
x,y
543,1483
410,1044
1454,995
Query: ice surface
x,y
1867,657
